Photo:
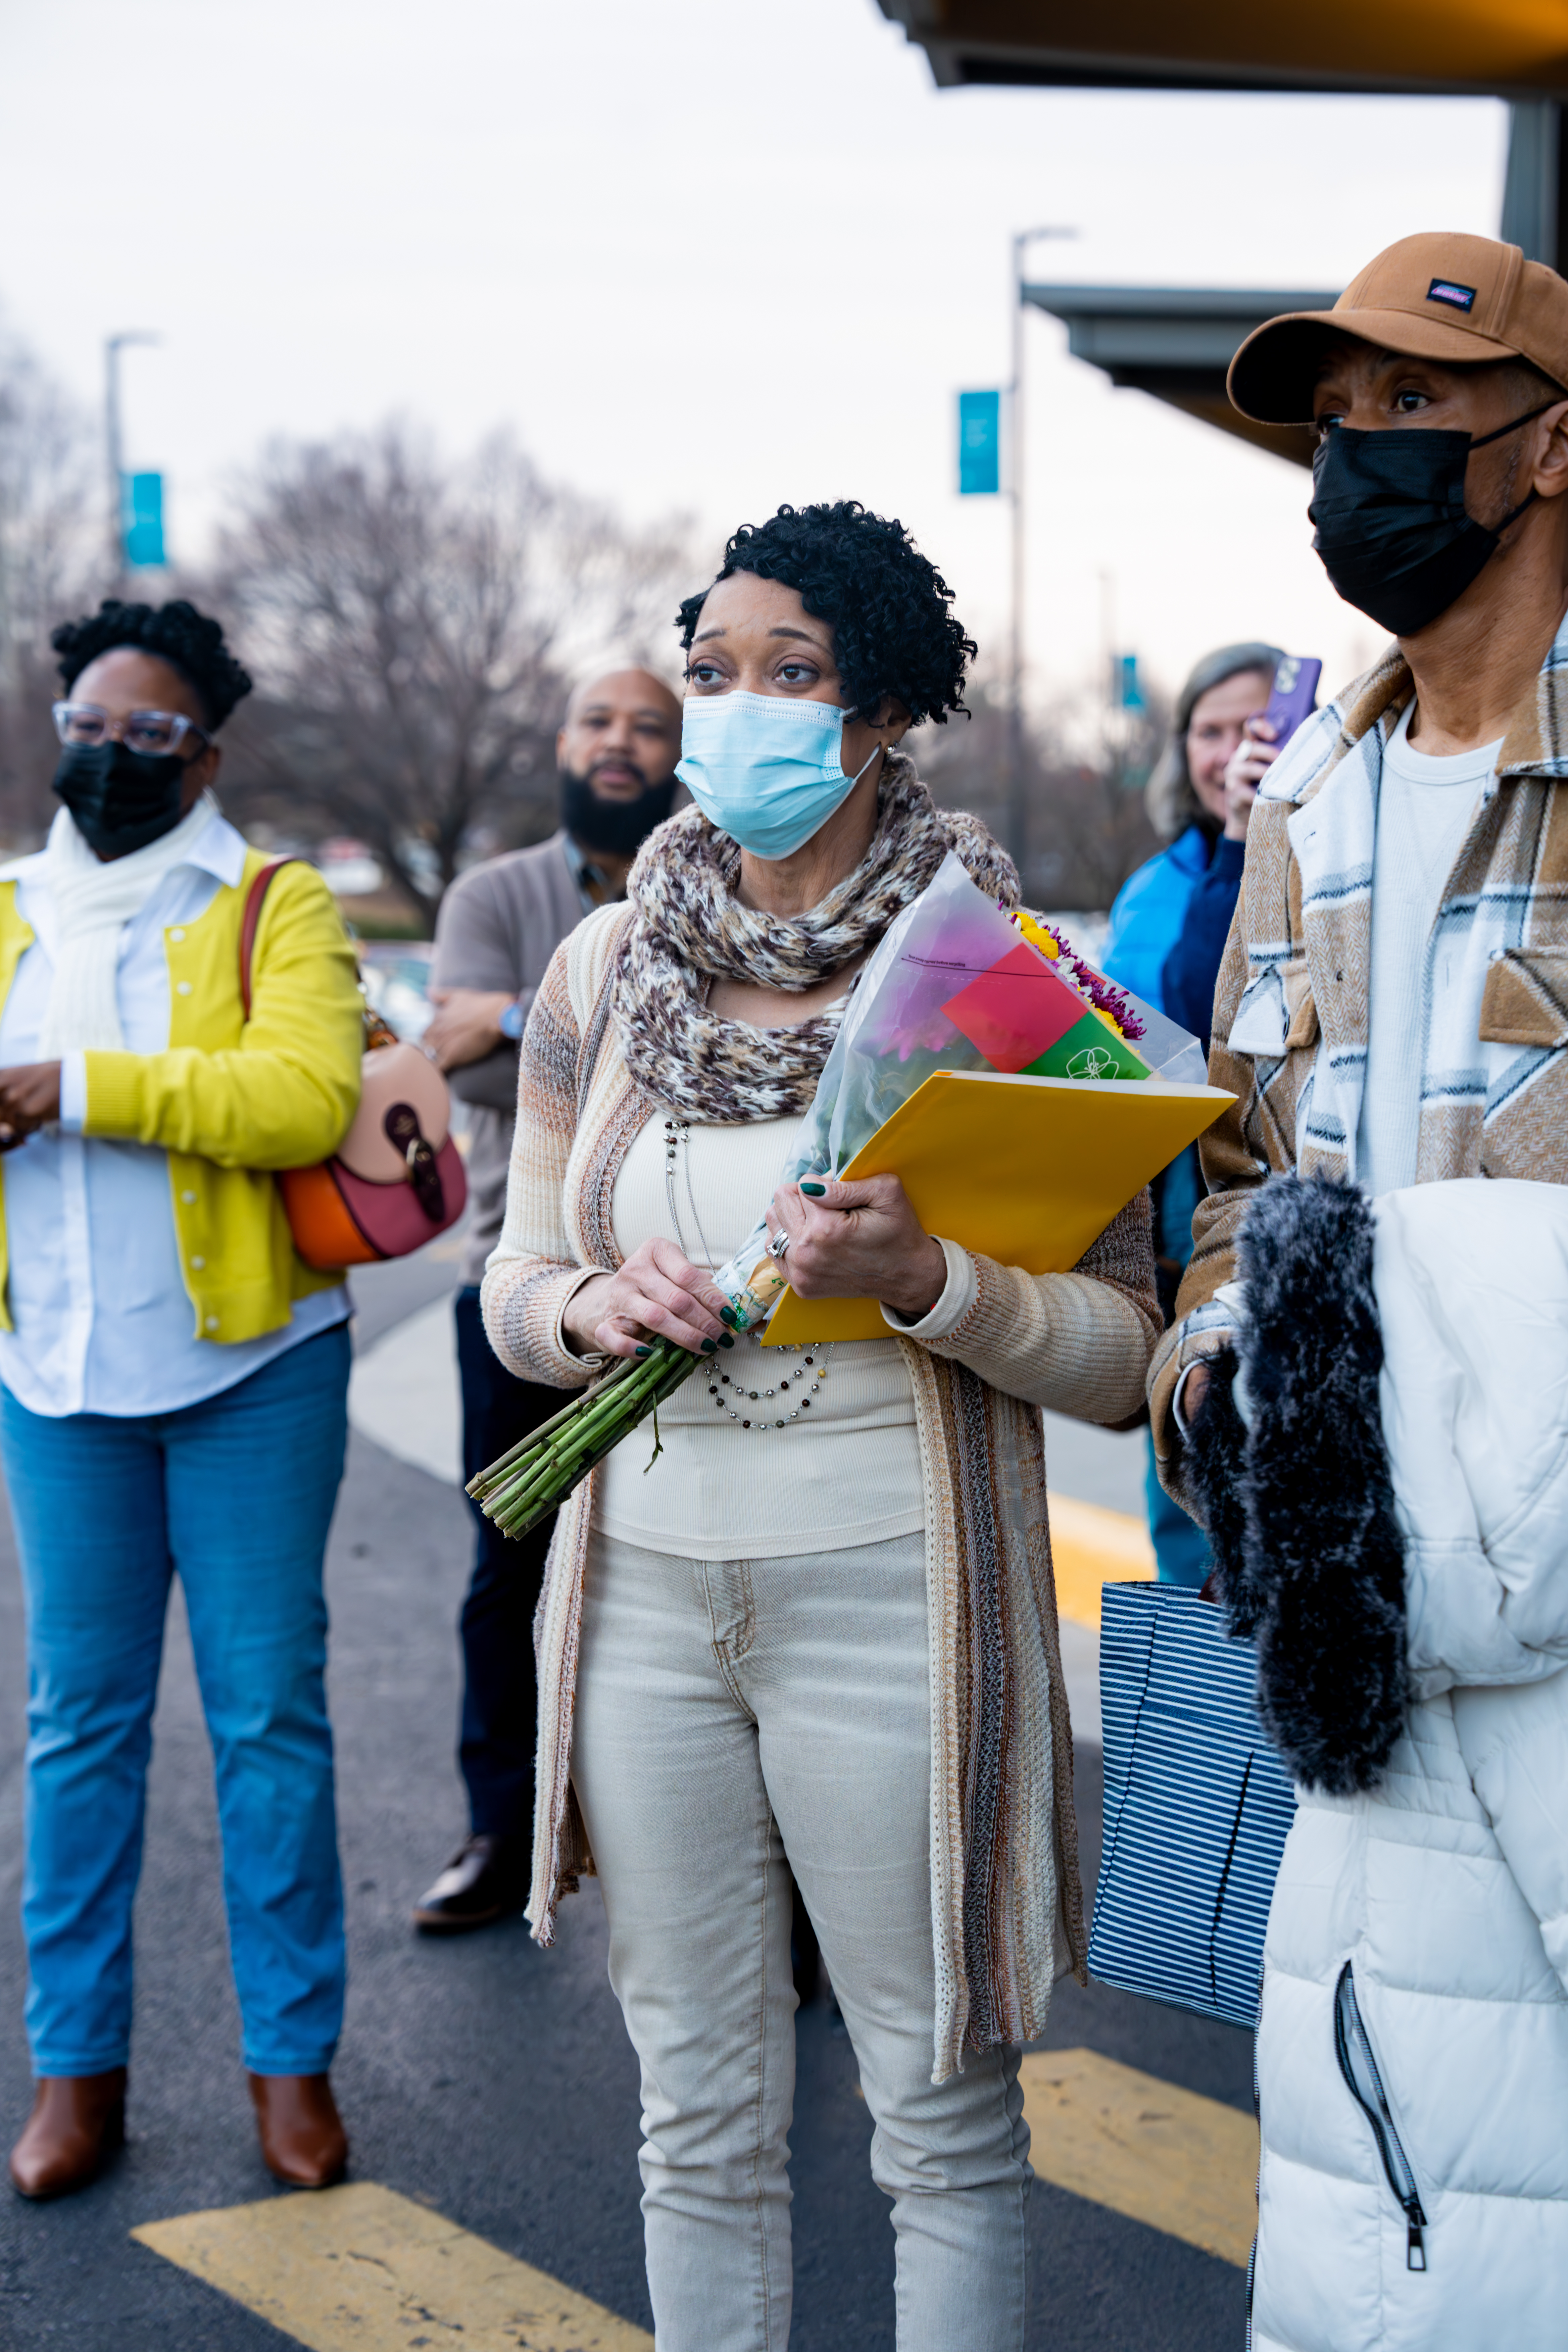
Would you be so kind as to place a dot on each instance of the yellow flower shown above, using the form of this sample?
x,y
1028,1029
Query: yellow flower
x,y
1034,935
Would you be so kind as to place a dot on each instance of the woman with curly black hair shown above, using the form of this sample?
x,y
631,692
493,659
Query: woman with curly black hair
x,y
173,1378
824,1628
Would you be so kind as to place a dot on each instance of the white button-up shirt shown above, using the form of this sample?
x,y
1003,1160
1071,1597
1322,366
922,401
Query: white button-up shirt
x,y
103,1322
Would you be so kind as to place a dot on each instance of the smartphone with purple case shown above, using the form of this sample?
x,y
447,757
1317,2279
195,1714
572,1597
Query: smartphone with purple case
x,y
1294,696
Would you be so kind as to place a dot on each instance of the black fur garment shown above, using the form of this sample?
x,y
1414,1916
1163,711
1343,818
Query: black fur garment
x,y
1309,1559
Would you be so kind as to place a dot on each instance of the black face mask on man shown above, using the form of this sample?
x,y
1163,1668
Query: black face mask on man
x,y
618,828
1388,511
121,799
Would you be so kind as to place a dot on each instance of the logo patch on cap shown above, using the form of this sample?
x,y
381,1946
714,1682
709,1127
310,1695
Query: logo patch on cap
x,y
1458,297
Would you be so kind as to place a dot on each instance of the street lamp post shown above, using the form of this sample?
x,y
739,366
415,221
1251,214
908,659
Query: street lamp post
x,y
113,346
1017,796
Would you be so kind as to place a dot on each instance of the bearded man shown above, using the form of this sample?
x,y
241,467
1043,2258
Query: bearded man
x,y
499,925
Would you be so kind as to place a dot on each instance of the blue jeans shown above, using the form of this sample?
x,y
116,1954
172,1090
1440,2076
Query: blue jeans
x,y
235,1494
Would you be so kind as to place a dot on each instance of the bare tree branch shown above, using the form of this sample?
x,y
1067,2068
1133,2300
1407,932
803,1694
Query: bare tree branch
x,y
412,630
1087,826
50,560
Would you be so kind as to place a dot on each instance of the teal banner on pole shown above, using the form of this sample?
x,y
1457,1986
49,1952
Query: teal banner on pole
x,y
979,443
142,518
1130,693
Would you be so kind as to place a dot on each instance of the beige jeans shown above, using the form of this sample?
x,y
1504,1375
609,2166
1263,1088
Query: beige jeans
x,y
729,1713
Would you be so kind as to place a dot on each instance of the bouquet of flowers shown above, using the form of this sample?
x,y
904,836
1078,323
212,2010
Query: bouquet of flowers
x,y
957,983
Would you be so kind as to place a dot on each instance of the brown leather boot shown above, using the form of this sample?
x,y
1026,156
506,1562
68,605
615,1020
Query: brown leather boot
x,y
302,2138
78,2122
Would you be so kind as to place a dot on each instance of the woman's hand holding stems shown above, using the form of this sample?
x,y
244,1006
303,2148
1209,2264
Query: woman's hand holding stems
x,y
846,1241
656,1294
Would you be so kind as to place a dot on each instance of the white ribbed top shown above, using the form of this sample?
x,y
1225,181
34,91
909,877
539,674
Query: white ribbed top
x,y
847,1473
1424,809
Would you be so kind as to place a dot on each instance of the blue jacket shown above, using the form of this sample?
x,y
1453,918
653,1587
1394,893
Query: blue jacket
x,y
1193,965
1149,915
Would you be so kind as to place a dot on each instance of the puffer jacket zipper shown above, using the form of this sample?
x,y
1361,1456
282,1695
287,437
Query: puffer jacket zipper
x,y
1352,2048
1258,2186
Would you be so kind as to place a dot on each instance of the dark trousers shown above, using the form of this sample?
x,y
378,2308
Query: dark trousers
x,y
501,1697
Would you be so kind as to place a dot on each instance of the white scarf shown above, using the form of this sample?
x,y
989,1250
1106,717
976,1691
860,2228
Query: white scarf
x,y
94,899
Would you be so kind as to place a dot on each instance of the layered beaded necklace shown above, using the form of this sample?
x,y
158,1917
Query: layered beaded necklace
x,y
798,1389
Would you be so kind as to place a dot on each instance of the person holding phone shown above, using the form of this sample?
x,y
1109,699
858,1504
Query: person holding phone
x,y
1190,810
1192,968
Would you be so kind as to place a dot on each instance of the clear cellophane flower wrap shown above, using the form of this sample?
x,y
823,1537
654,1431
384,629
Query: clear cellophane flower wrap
x,y
941,987
897,1030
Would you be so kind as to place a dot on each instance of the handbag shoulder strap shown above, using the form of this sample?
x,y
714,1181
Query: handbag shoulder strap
x,y
250,921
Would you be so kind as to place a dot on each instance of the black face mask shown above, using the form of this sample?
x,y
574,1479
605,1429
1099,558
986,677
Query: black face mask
x,y
1391,527
618,828
120,800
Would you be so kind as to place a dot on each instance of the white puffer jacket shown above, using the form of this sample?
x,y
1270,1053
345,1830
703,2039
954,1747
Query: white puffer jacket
x,y
1418,1940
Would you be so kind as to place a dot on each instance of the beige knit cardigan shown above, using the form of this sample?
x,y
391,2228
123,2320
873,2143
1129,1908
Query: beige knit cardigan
x,y
1007,1906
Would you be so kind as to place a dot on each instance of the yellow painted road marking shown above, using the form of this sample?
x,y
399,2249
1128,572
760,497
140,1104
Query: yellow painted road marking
x,y
1183,2164
1091,1547
359,2269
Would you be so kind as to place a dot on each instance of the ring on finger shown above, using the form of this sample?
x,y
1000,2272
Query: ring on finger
x,y
779,1246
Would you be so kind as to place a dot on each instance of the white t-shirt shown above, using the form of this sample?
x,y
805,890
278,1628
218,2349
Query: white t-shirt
x,y
1424,810
846,1472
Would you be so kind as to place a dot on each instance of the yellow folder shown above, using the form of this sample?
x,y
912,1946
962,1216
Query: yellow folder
x,y
1024,1170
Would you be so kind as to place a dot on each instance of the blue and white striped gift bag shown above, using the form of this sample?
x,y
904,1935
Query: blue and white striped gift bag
x,y
1197,1806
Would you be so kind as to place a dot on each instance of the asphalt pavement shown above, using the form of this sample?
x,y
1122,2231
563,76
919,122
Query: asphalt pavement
x,y
480,2075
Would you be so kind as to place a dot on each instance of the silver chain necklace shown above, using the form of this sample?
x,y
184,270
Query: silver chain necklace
x,y
678,1133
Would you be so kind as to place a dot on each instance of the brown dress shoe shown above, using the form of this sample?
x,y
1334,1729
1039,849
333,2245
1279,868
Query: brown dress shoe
x,y
78,2122
302,2138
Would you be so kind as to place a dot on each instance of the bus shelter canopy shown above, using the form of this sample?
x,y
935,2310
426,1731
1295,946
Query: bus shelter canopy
x,y
1499,48
1177,343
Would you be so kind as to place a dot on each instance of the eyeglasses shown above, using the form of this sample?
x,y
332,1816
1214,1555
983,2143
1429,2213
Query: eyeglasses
x,y
154,731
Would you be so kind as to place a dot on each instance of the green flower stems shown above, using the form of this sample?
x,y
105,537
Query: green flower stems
x,y
536,1477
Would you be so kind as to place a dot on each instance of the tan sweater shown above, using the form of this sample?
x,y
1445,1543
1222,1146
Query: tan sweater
x,y
1007,1908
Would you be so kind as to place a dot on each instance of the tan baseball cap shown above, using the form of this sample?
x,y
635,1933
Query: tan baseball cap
x,y
1459,299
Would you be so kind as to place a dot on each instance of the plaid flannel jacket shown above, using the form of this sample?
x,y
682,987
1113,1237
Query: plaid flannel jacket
x,y
1292,1000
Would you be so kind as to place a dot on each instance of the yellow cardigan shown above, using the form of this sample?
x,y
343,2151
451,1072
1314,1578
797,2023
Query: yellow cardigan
x,y
229,1099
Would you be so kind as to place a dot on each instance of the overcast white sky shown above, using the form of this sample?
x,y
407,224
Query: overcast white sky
x,y
702,254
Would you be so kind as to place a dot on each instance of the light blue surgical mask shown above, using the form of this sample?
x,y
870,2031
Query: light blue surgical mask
x,y
763,768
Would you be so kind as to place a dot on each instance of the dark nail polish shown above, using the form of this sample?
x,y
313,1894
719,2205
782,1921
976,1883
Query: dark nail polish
x,y
709,1346
815,1190
643,1351
727,1315
725,1341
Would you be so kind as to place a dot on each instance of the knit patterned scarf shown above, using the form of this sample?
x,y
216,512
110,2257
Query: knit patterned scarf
x,y
689,928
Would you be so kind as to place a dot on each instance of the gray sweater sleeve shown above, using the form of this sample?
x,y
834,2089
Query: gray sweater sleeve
x,y
476,947
475,942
